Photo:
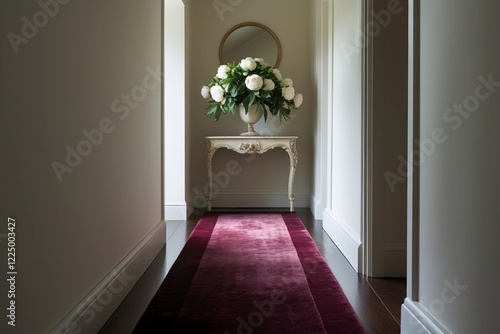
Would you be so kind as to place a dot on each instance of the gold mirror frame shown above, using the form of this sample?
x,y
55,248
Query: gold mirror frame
x,y
254,24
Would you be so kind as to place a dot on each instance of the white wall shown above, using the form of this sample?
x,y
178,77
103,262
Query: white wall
x,y
321,88
365,124
175,111
258,184
456,272
342,216
64,79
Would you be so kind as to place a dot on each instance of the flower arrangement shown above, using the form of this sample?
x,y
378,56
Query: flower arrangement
x,y
250,82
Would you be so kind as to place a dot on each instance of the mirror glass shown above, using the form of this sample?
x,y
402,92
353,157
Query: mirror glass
x,y
250,39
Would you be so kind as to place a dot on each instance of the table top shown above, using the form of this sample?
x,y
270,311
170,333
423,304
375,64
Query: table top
x,y
246,138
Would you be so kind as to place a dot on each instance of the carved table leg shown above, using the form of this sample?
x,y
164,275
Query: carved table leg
x,y
208,162
290,187
294,158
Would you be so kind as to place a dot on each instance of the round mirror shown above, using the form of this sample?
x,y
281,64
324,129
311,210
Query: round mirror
x,y
250,39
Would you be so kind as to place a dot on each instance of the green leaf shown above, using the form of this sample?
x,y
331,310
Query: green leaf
x,y
233,90
217,114
230,105
251,99
212,109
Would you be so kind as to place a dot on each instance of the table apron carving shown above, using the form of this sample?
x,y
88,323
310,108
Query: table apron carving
x,y
253,145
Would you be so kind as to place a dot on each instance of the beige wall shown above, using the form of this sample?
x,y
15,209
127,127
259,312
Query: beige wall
x,y
390,77
290,20
63,80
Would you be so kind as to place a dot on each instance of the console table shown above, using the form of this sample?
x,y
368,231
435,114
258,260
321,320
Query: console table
x,y
252,145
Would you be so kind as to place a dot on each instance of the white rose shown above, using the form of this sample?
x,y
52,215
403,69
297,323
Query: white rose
x,y
205,92
268,84
288,93
222,71
217,93
248,64
287,82
297,100
277,74
254,82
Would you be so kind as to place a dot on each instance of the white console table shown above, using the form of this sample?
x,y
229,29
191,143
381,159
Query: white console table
x,y
253,145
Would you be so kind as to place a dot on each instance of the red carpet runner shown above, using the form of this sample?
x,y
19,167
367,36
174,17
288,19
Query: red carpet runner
x,y
250,273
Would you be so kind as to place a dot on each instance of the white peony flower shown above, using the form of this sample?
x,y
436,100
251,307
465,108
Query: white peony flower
x,y
277,74
288,93
254,82
248,64
217,93
268,84
205,92
287,82
261,61
297,100
222,72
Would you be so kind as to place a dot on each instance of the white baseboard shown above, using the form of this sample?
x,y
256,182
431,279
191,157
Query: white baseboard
x,y
259,200
175,211
395,261
415,320
345,239
94,310
316,208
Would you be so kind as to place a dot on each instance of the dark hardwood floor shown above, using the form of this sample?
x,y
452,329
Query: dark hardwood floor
x,y
377,301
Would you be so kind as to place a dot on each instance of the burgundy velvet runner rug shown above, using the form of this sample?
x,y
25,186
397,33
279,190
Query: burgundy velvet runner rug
x,y
250,273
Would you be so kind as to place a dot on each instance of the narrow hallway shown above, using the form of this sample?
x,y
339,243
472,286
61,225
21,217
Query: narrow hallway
x,y
377,301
